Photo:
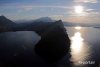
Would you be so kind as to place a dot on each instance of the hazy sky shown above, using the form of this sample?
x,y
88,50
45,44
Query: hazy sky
x,y
67,10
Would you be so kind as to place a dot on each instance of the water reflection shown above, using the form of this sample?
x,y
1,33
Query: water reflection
x,y
77,42
78,27
80,51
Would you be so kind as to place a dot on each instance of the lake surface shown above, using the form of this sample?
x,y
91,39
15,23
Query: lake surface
x,y
85,46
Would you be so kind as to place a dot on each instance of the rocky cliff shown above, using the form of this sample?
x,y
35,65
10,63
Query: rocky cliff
x,y
54,44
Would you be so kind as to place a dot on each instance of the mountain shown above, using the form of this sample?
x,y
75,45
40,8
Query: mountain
x,y
44,19
54,43
53,46
5,24
4,21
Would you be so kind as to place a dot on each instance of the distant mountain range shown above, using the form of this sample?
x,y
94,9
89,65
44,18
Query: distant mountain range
x,y
8,23
48,19
38,25
42,19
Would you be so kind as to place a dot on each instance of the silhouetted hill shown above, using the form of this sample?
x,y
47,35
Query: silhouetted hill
x,y
44,19
35,25
38,27
54,43
5,24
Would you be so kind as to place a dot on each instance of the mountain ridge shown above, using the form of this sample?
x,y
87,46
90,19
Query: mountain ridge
x,y
5,21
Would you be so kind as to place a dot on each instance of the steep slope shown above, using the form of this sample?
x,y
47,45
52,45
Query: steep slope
x,y
54,43
5,24
5,21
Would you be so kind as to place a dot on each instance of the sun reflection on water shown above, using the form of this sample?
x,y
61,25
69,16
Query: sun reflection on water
x,y
79,48
77,41
78,28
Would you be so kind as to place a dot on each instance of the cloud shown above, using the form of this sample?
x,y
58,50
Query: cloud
x,y
86,1
84,19
30,7
89,16
57,17
41,6
88,10
27,7
92,12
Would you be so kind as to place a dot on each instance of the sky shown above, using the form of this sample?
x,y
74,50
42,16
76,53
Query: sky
x,y
82,11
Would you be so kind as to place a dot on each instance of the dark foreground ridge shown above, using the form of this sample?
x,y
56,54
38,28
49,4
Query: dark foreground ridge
x,y
17,48
54,43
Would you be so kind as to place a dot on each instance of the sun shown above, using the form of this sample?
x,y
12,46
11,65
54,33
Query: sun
x,y
78,9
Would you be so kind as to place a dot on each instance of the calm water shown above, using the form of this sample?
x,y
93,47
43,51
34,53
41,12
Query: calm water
x,y
85,46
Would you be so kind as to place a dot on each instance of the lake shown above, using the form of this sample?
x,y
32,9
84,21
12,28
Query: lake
x,y
85,46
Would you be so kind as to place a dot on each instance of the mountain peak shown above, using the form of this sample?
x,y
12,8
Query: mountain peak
x,y
5,21
44,19
1,17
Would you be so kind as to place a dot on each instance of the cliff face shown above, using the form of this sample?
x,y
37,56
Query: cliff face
x,y
54,44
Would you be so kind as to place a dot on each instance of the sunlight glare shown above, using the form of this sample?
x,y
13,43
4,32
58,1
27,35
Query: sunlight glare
x,y
78,28
77,42
79,9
